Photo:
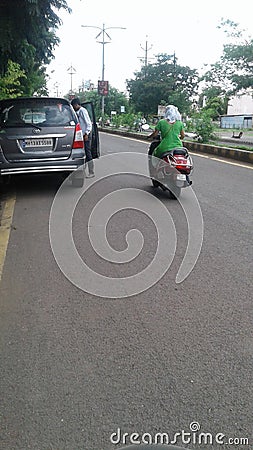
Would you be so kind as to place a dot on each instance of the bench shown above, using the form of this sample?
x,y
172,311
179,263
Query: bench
x,y
237,136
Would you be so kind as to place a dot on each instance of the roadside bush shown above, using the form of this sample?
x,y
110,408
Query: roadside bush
x,y
129,120
189,125
203,126
116,120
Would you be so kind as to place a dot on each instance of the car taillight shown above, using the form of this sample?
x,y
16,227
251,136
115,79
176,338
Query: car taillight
x,y
78,139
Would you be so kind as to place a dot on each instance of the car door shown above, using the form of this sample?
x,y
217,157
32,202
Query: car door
x,y
95,145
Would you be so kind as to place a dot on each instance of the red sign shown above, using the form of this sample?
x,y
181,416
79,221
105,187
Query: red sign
x,y
103,87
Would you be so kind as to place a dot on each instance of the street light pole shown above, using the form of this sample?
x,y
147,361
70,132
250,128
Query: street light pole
x,y
103,32
56,85
72,72
103,42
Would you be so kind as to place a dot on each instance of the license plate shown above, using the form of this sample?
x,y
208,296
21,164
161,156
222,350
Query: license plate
x,y
27,143
181,177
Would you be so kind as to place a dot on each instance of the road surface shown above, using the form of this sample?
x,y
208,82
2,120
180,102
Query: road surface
x,y
78,371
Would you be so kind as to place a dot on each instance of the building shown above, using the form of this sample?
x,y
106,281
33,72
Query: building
x,y
236,121
239,113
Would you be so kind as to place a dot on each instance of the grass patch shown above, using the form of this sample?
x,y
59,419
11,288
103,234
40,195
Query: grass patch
x,y
234,147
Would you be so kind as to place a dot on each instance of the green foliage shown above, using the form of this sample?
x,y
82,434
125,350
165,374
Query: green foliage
x,y
116,120
90,96
189,126
203,126
164,82
128,121
113,101
234,71
27,37
215,106
10,84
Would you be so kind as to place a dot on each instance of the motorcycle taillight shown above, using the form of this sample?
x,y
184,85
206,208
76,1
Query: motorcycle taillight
x,y
183,169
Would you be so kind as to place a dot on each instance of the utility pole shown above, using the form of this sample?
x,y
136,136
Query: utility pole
x,y
103,35
174,70
71,72
56,85
146,50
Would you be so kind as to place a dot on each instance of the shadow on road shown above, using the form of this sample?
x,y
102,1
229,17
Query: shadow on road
x,y
31,184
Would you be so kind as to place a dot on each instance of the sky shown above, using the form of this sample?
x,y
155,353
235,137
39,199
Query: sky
x,y
186,27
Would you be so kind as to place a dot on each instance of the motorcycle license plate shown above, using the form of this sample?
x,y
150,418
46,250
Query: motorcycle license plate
x,y
181,177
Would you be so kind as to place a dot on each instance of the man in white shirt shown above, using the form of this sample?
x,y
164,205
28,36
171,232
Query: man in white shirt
x,y
86,125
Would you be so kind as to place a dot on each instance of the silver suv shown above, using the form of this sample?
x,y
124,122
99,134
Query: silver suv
x,y
42,134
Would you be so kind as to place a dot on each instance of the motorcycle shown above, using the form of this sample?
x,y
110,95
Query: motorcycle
x,y
171,172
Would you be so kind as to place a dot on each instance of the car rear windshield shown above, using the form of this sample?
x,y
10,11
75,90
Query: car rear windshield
x,y
46,113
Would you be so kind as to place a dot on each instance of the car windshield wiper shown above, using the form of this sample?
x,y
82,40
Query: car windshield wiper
x,y
19,125
31,125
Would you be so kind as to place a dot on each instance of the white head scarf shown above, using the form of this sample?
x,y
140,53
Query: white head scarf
x,y
172,114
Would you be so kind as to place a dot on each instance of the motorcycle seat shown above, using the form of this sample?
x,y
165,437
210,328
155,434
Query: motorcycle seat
x,y
176,151
180,151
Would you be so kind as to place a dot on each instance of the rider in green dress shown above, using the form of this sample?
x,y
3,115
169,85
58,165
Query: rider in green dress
x,y
171,129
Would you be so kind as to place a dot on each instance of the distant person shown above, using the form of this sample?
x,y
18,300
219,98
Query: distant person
x,y
171,129
86,125
141,123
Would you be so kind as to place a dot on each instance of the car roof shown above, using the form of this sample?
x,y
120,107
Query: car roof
x,y
39,99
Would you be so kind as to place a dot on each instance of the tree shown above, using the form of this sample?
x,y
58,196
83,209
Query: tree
x,y
27,37
216,107
203,126
234,71
113,101
10,82
163,82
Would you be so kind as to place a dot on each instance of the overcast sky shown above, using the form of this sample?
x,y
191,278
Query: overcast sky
x,y
188,27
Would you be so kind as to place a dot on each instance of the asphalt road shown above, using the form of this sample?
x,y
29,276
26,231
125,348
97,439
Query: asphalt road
x,y
76,368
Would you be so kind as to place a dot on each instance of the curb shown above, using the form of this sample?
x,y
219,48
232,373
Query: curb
x,y
224,152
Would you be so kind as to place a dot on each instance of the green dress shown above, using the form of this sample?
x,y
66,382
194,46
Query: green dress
x,y
170,136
